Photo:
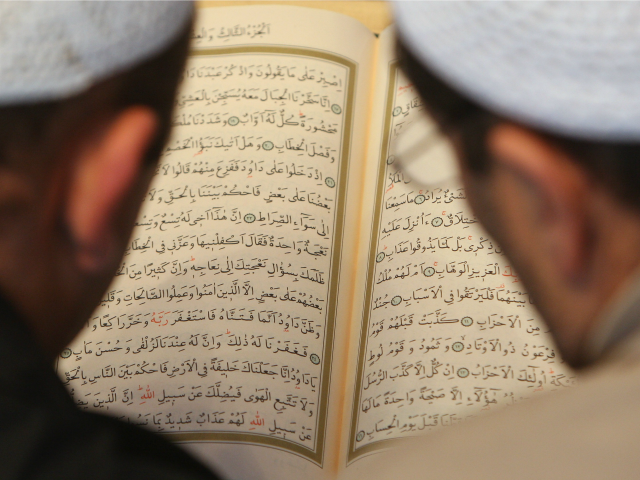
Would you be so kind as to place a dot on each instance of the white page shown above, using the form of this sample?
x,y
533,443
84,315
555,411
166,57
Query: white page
x,y
448,330
221,325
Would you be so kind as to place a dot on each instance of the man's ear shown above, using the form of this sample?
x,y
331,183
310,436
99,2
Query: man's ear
x,y
543,180
103,174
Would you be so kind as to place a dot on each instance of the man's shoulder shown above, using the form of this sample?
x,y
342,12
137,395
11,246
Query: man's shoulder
x,y
39,441
588,431
43,435
142,453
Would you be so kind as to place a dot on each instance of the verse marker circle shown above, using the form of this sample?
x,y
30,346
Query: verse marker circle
x,y
463,372
380,257
315,359
268,145
233,121
397,111
335,108
360,436
330,182
429,271
466,321
249,218
457,347
419,199
436,222
391,159
66,353
396,300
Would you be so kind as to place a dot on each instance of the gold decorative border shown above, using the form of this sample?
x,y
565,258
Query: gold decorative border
x,y
354,453
316,455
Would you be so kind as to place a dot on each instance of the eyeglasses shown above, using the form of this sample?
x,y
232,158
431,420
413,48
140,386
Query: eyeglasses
x,y
423,153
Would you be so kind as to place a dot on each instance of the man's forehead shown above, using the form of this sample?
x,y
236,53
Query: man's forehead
x,y
51,50
571,68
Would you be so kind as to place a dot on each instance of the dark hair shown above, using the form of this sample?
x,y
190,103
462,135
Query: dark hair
x,y
33,135
615,165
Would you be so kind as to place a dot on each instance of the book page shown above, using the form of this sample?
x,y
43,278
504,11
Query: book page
x,y
220,328
447,330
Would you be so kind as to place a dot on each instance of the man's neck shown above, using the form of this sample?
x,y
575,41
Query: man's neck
x,y
616,322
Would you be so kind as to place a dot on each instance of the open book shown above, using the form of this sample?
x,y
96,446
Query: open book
x,y
291,301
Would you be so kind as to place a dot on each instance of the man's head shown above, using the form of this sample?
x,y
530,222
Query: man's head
x,y
82,124
551,173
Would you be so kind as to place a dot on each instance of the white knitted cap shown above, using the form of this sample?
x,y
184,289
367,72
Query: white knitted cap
x,y
50,50
572,68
